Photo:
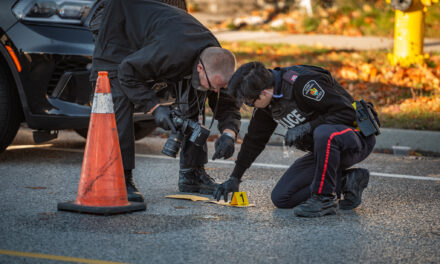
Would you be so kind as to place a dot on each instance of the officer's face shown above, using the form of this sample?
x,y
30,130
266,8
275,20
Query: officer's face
x,y
262,101
213,83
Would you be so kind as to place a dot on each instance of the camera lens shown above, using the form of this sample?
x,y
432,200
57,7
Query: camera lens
x,y
172,145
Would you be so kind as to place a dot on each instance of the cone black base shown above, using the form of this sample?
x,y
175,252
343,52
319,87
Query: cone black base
x,y
102,210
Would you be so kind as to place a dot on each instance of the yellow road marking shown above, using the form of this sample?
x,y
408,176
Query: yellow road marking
x,y
53,257
28,146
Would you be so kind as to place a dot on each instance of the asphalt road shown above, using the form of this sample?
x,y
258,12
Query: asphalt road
x,y
398,221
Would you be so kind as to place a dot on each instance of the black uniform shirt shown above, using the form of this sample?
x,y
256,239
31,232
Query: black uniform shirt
x,y
310,94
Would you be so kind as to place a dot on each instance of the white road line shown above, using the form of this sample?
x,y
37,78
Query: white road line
x,y
423,178
263,165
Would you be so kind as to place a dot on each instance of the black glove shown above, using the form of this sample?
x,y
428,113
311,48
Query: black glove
x,y
296,134
224,147
162,116
231,185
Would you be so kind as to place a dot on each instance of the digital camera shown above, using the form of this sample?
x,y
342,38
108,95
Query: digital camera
x,y
198,134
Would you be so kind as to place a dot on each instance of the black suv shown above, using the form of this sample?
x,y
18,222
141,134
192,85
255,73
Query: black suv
x,y
45,58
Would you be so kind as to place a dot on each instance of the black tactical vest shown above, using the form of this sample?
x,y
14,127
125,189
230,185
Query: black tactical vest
x,y
286,112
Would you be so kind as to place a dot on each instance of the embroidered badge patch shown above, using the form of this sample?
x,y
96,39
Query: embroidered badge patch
x,y
313,91
290,76
293,78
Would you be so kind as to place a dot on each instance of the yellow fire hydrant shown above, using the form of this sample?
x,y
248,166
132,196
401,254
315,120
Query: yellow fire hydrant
x,y
409,31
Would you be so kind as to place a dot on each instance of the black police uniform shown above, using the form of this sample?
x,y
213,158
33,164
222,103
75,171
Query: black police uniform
x,y
141,43
308,94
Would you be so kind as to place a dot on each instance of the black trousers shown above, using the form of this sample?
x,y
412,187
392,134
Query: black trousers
x,y
336,148
190,154
124,110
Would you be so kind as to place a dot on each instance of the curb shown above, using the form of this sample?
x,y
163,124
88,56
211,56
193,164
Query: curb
x,y
417,140
391,140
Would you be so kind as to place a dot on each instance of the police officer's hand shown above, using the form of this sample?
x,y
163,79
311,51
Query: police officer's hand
x,y
297,133
224,147
231,185
162,116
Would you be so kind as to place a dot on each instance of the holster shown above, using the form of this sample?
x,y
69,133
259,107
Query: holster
x,y
366,118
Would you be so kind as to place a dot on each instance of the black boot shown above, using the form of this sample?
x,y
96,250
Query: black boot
x,y
356,180
188,180
318,205
207,183
133,194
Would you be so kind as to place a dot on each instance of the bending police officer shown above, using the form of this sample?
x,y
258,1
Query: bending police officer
x,y
318,115
156,54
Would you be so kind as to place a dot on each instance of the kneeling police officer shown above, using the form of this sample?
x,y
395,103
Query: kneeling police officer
x,y
319,116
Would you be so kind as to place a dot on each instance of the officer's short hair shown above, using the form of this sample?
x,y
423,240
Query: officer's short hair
x,y
218,61
249,81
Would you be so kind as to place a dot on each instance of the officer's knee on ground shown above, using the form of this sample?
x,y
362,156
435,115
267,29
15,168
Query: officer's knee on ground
x,y
280,200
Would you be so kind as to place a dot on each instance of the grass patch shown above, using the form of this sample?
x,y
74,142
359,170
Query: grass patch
x,y
416,113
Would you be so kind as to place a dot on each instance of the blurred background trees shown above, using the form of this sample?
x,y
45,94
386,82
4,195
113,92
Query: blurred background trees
x,y
343,17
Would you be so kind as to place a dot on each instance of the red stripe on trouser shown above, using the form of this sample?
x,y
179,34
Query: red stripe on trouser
x,y
328,153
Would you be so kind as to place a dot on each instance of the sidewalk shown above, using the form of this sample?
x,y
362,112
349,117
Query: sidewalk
x,y
319,40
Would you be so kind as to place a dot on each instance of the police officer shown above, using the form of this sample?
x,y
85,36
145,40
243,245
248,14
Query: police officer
x,y
318,115
156,54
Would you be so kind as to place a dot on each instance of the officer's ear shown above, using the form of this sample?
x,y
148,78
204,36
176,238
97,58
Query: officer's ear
x,y
202,74
199,67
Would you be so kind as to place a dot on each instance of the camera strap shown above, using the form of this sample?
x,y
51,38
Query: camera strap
x,y
215,110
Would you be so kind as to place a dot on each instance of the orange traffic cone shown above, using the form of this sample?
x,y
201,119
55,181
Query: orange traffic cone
x,y
101,188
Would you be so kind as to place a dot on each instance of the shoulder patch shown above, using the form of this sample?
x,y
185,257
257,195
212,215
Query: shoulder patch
x,y
313,91
290,76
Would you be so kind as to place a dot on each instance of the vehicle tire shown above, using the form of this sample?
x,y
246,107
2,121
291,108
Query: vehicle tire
x,y
11,113
141,129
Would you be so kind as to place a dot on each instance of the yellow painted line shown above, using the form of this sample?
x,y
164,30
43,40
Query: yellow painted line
x,y
53,257
28,146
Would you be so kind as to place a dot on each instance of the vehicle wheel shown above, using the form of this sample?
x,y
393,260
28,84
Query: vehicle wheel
x,y
141,129
11,113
